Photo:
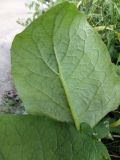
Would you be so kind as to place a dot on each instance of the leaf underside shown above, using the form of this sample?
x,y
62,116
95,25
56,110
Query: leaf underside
x,y
39,138
62,69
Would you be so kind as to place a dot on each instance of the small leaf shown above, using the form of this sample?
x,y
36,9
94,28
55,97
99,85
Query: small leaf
x,y
116,123
102,129
115,130
118,34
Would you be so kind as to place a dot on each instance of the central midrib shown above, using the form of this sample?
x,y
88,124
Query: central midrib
x,y
60,75
66,90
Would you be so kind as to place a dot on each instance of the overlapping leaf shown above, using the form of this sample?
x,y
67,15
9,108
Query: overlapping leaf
x,y
38,138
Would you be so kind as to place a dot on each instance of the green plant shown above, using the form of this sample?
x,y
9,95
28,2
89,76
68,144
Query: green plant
x,y
37,138
67,51
64,75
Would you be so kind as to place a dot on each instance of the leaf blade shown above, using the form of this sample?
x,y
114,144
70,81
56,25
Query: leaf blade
x,y
37,138
67,74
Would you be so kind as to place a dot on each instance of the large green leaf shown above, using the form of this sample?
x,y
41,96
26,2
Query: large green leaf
x,y
37,138
62,68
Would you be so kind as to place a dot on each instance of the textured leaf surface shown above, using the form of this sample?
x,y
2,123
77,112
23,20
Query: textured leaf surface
x,y
37,138
63,70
